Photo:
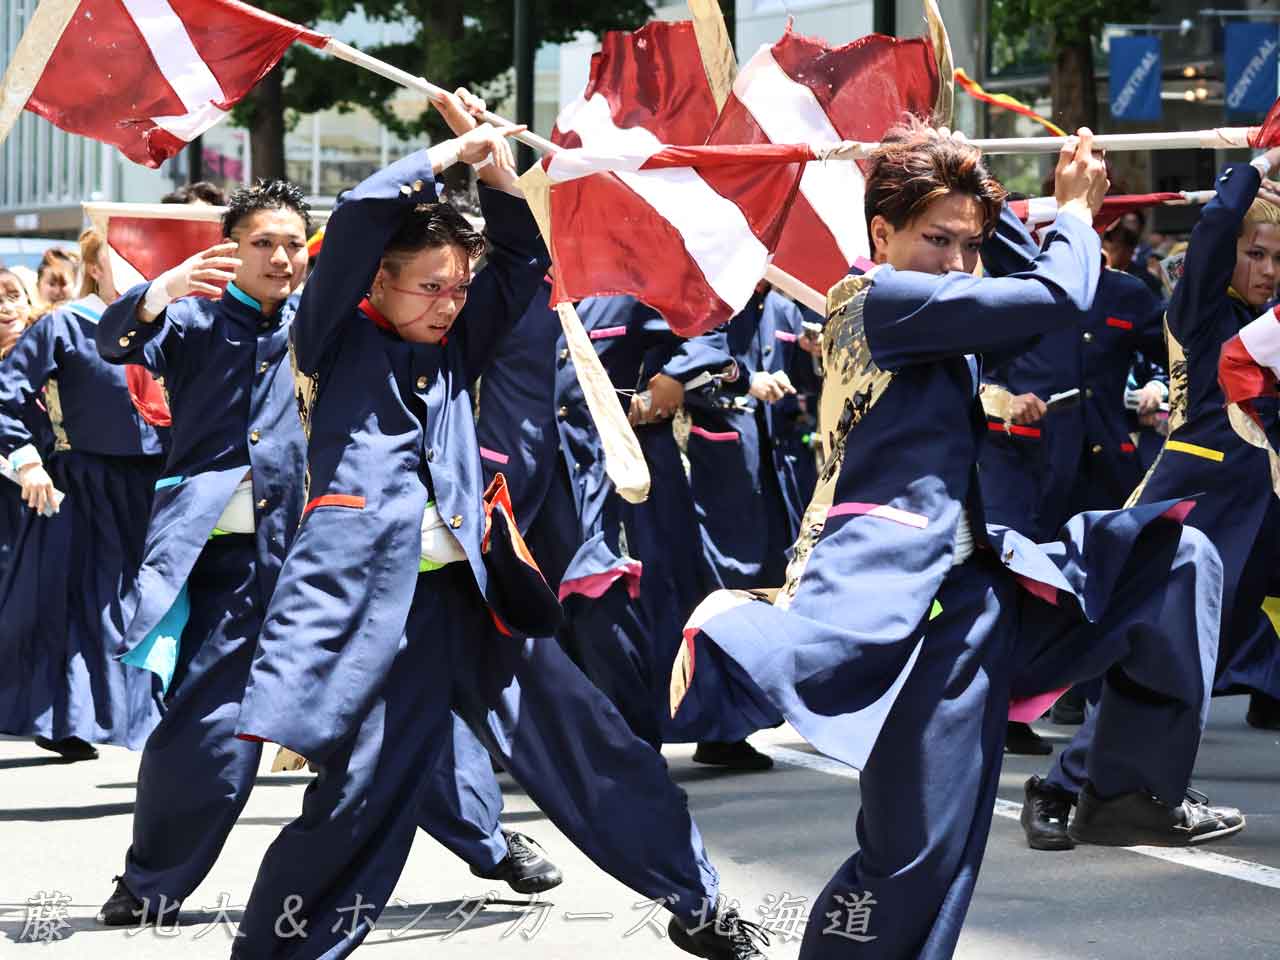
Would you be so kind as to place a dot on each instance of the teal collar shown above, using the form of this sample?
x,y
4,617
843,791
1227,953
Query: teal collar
x,y
243,297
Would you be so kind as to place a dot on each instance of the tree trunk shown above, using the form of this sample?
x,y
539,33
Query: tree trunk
x,y
443,28
266,136
1072,86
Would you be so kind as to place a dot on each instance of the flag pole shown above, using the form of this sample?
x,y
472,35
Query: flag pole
x,y
344,51
1219,138
788,284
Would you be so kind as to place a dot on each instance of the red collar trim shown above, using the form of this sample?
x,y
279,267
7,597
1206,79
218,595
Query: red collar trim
x,y
382,323
370,311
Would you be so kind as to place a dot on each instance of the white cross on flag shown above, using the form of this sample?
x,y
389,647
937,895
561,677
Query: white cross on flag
x,y
638,204
801,90
147,76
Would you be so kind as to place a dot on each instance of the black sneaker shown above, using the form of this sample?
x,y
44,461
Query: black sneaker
x,y
727,937
1264,712
1020,739
1135,819
123,909
525,868
1068,709
1044,816
69,748
733,756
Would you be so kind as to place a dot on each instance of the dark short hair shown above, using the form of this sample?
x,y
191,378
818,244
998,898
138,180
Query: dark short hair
x,y
267,195
201,190
913,167
433,225
1121,234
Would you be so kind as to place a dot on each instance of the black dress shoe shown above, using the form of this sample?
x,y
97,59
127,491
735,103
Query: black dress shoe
x,y
1134,819
1264,712
733,756
123,909
727,937
1068,709
1019,738
69,748
525,868
1044,816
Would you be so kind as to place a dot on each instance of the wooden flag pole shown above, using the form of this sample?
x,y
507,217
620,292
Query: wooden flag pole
x,y
1219,138
344,51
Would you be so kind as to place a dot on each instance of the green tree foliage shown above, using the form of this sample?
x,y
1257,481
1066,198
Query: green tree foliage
x,y
1073,26
452,43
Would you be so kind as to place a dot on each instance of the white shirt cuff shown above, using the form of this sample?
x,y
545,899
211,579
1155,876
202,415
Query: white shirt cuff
x,y
23,456
157,297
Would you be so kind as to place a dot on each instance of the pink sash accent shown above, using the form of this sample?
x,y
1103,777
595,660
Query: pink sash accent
x,y
785,336
604,333
494,455
882,510
1032,708
728,436
596,584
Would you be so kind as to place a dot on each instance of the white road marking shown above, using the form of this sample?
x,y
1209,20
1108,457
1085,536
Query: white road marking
x,y
1195,857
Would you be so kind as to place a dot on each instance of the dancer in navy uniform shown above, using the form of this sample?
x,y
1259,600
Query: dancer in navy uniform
x,y
1231,269
61,609
1044,463
535,428
906,604
408,588
15,318
224,515
747,486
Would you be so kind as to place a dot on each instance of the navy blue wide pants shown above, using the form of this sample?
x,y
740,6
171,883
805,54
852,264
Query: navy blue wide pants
x,y
549,726
195,776
929,785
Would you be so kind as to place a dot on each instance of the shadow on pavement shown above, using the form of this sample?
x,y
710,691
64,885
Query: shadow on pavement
x,y
48,814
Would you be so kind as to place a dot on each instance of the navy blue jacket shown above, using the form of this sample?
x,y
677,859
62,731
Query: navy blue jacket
x,y
743,466
903,428
390,426
87,398
534,417
1031,475
225,368
1203,456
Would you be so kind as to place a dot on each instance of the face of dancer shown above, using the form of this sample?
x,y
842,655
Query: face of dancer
x,y
55,283
422,294
15,311
1257,263
273,255
946,236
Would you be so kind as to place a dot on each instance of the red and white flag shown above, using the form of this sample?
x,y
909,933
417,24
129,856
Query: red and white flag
x,y
637,204
147,76
802,90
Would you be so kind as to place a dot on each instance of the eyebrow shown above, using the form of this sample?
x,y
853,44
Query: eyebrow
x,y
940,228
266,235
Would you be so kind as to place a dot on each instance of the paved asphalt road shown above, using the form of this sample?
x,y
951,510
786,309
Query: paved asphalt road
x,y
64,829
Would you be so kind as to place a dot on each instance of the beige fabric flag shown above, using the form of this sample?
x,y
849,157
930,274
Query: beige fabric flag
x,y
717,50
944,110
37,44
623,459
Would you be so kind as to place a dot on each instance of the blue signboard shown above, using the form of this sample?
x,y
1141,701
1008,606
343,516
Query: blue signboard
x,y
1135,78
1251,67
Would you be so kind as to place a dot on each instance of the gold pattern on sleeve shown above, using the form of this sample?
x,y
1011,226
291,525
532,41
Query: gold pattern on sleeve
x,y
852,386
53,404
